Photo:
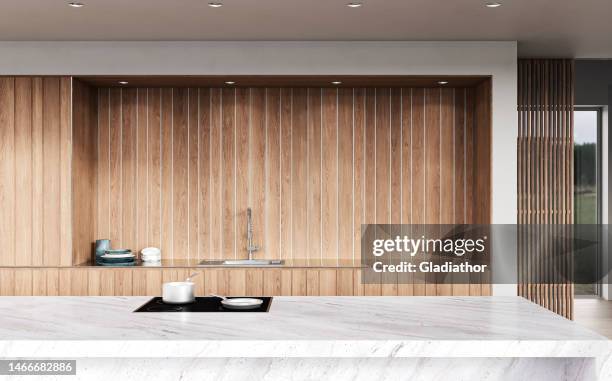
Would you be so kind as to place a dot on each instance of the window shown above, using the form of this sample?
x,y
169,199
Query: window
x,y
587,189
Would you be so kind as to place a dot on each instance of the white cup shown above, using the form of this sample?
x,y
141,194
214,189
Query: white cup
x,y
178,292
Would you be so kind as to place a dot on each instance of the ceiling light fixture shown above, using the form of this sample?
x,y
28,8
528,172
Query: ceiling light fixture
x,y
123,82
493,5
336,82
76,5
442,82
230,82
215,5
354,5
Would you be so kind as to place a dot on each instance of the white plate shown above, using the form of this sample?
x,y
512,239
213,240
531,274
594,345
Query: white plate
x,y
118,256
242,303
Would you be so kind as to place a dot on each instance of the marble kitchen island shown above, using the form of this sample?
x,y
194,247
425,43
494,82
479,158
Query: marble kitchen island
x,y
307,338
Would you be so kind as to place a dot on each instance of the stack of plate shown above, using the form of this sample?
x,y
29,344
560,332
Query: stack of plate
x,y
150,255
118,257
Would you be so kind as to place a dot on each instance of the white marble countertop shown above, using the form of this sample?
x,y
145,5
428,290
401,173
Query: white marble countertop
x,y
74,327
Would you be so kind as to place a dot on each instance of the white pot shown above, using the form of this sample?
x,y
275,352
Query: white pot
x,y
178,292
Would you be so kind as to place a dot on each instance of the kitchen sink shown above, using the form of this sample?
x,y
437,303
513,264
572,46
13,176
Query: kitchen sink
x,y
242,262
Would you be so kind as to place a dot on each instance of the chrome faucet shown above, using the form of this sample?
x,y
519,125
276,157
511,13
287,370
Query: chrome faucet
x,y
250,247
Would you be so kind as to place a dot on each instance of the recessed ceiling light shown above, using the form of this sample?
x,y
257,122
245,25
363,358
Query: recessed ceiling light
x,y
336,82
442,82
123,82
354,4
493,5
230,82
215,5
76,5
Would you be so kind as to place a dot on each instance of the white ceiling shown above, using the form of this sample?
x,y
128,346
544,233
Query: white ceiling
x,y
562,28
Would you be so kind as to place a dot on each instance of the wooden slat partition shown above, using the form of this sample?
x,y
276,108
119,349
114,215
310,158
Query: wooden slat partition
x,y
35,171
545,176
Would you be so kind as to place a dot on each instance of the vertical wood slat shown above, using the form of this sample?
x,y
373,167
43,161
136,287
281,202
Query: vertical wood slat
x,y
65,114
285,155
128,106
35,180
204,174
23,171
545,178
37,171
329,177
256,175
7,170
84,171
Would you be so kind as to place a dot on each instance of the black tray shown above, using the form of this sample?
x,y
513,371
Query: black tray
x,y
201,304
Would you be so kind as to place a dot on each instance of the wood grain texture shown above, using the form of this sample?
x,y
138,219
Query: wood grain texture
x,y
299,179
545,178
329,176
7,170
37,171
272,237
35,178
23,171
286,130
243,173
65,179
256,175
91,281
204,180
313,164
176,168
84,170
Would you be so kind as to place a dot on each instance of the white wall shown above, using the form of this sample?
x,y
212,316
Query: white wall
x,y
497,59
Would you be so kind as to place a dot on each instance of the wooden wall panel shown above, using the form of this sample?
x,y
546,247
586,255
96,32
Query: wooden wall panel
x,y
256,145
299,179
204,165
167,188
545,178
243,98
23,171
215,158
177,167
84,171
148,281
313,164
7,170
103,164
153,167
37,171
91,281
65,179
272,238
329,177
51,170
314,167
35,164
127,168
